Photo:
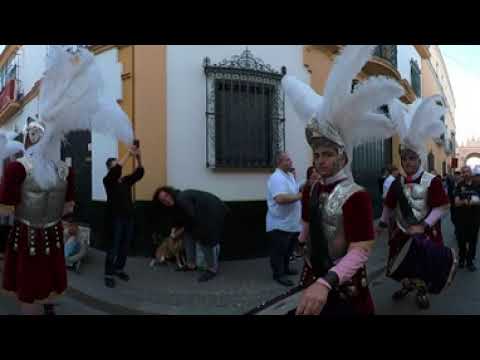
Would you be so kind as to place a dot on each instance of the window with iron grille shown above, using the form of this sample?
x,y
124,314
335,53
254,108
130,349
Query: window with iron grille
x,y
416,78
245,113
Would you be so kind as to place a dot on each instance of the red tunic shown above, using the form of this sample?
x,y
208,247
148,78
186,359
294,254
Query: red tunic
x,y
358,227
436,197
32,278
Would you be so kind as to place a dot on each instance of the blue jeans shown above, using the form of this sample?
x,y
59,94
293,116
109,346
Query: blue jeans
x,y
211,254
122,235
72,248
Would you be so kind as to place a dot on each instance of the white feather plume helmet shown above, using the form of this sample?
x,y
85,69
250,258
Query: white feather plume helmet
x,y
418,123
72,97
345,118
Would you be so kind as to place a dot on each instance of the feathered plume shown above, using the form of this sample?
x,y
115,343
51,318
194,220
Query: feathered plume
x,y
71,98
367,98
421,122
345,68
305,101
8,146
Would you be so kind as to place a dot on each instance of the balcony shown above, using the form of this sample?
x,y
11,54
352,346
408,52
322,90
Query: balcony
x,y
440,140
9,104
388,53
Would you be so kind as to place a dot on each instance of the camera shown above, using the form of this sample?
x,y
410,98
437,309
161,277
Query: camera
x,y
467,195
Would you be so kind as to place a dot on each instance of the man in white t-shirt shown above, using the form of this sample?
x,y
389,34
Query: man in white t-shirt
x,y
283,218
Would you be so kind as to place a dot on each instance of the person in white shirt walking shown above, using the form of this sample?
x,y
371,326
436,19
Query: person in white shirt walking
x,y
283,218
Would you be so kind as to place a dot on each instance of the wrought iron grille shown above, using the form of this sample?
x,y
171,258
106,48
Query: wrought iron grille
x,y
245,113
387,52
415,73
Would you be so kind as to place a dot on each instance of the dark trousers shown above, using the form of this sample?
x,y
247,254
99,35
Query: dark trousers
x,y
453,217
467,233
121,235
282,244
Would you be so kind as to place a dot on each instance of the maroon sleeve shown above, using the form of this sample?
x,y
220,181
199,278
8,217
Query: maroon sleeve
x,y
70,196
358,218
436,194
11,187
306,203
391,198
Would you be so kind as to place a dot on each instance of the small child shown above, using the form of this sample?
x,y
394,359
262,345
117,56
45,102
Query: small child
x,y
72,243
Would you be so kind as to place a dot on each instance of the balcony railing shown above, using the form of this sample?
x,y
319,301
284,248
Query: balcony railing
x,y
8,94
387,52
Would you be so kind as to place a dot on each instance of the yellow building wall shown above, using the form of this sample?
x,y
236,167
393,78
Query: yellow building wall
x,y
318,64
395,152
149,84
429,88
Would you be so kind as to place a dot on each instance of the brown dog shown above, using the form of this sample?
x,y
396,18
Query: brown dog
x,y
170,249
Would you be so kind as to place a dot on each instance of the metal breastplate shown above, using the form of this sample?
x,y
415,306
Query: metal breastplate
x,y
416,195
332,217
39,208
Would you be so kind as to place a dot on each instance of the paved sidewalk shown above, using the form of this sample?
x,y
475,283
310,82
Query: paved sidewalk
x,y
240,286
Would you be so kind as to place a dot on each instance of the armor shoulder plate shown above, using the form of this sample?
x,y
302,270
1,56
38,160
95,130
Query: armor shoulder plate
x,y
427,178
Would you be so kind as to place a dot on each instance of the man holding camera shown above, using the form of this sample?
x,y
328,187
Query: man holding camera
x,y
467,203
120,213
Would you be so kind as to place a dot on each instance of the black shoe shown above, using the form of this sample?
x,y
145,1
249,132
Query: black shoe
x,y
471,267
206,276
284,281
400,294
122,276
49,310
422,300
291,272
110,282
461,264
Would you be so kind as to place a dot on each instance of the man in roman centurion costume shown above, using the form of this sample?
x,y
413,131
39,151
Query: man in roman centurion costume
x,y
34,263
340,229
417,200
39,186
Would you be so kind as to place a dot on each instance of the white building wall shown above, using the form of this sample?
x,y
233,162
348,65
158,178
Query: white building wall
x,y
405,53
186,149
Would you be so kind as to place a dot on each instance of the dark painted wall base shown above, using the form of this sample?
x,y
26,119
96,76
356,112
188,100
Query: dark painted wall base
x,y
244,237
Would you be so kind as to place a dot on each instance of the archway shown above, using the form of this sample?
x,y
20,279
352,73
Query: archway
x,y
473,160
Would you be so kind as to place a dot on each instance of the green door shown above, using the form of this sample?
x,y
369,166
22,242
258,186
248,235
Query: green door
x,y
368,161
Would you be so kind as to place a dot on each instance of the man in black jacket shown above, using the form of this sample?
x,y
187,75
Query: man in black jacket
x,y
201,216
467,203
120,214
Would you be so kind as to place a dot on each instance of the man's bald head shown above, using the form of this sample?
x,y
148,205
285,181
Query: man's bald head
x,y
283,161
